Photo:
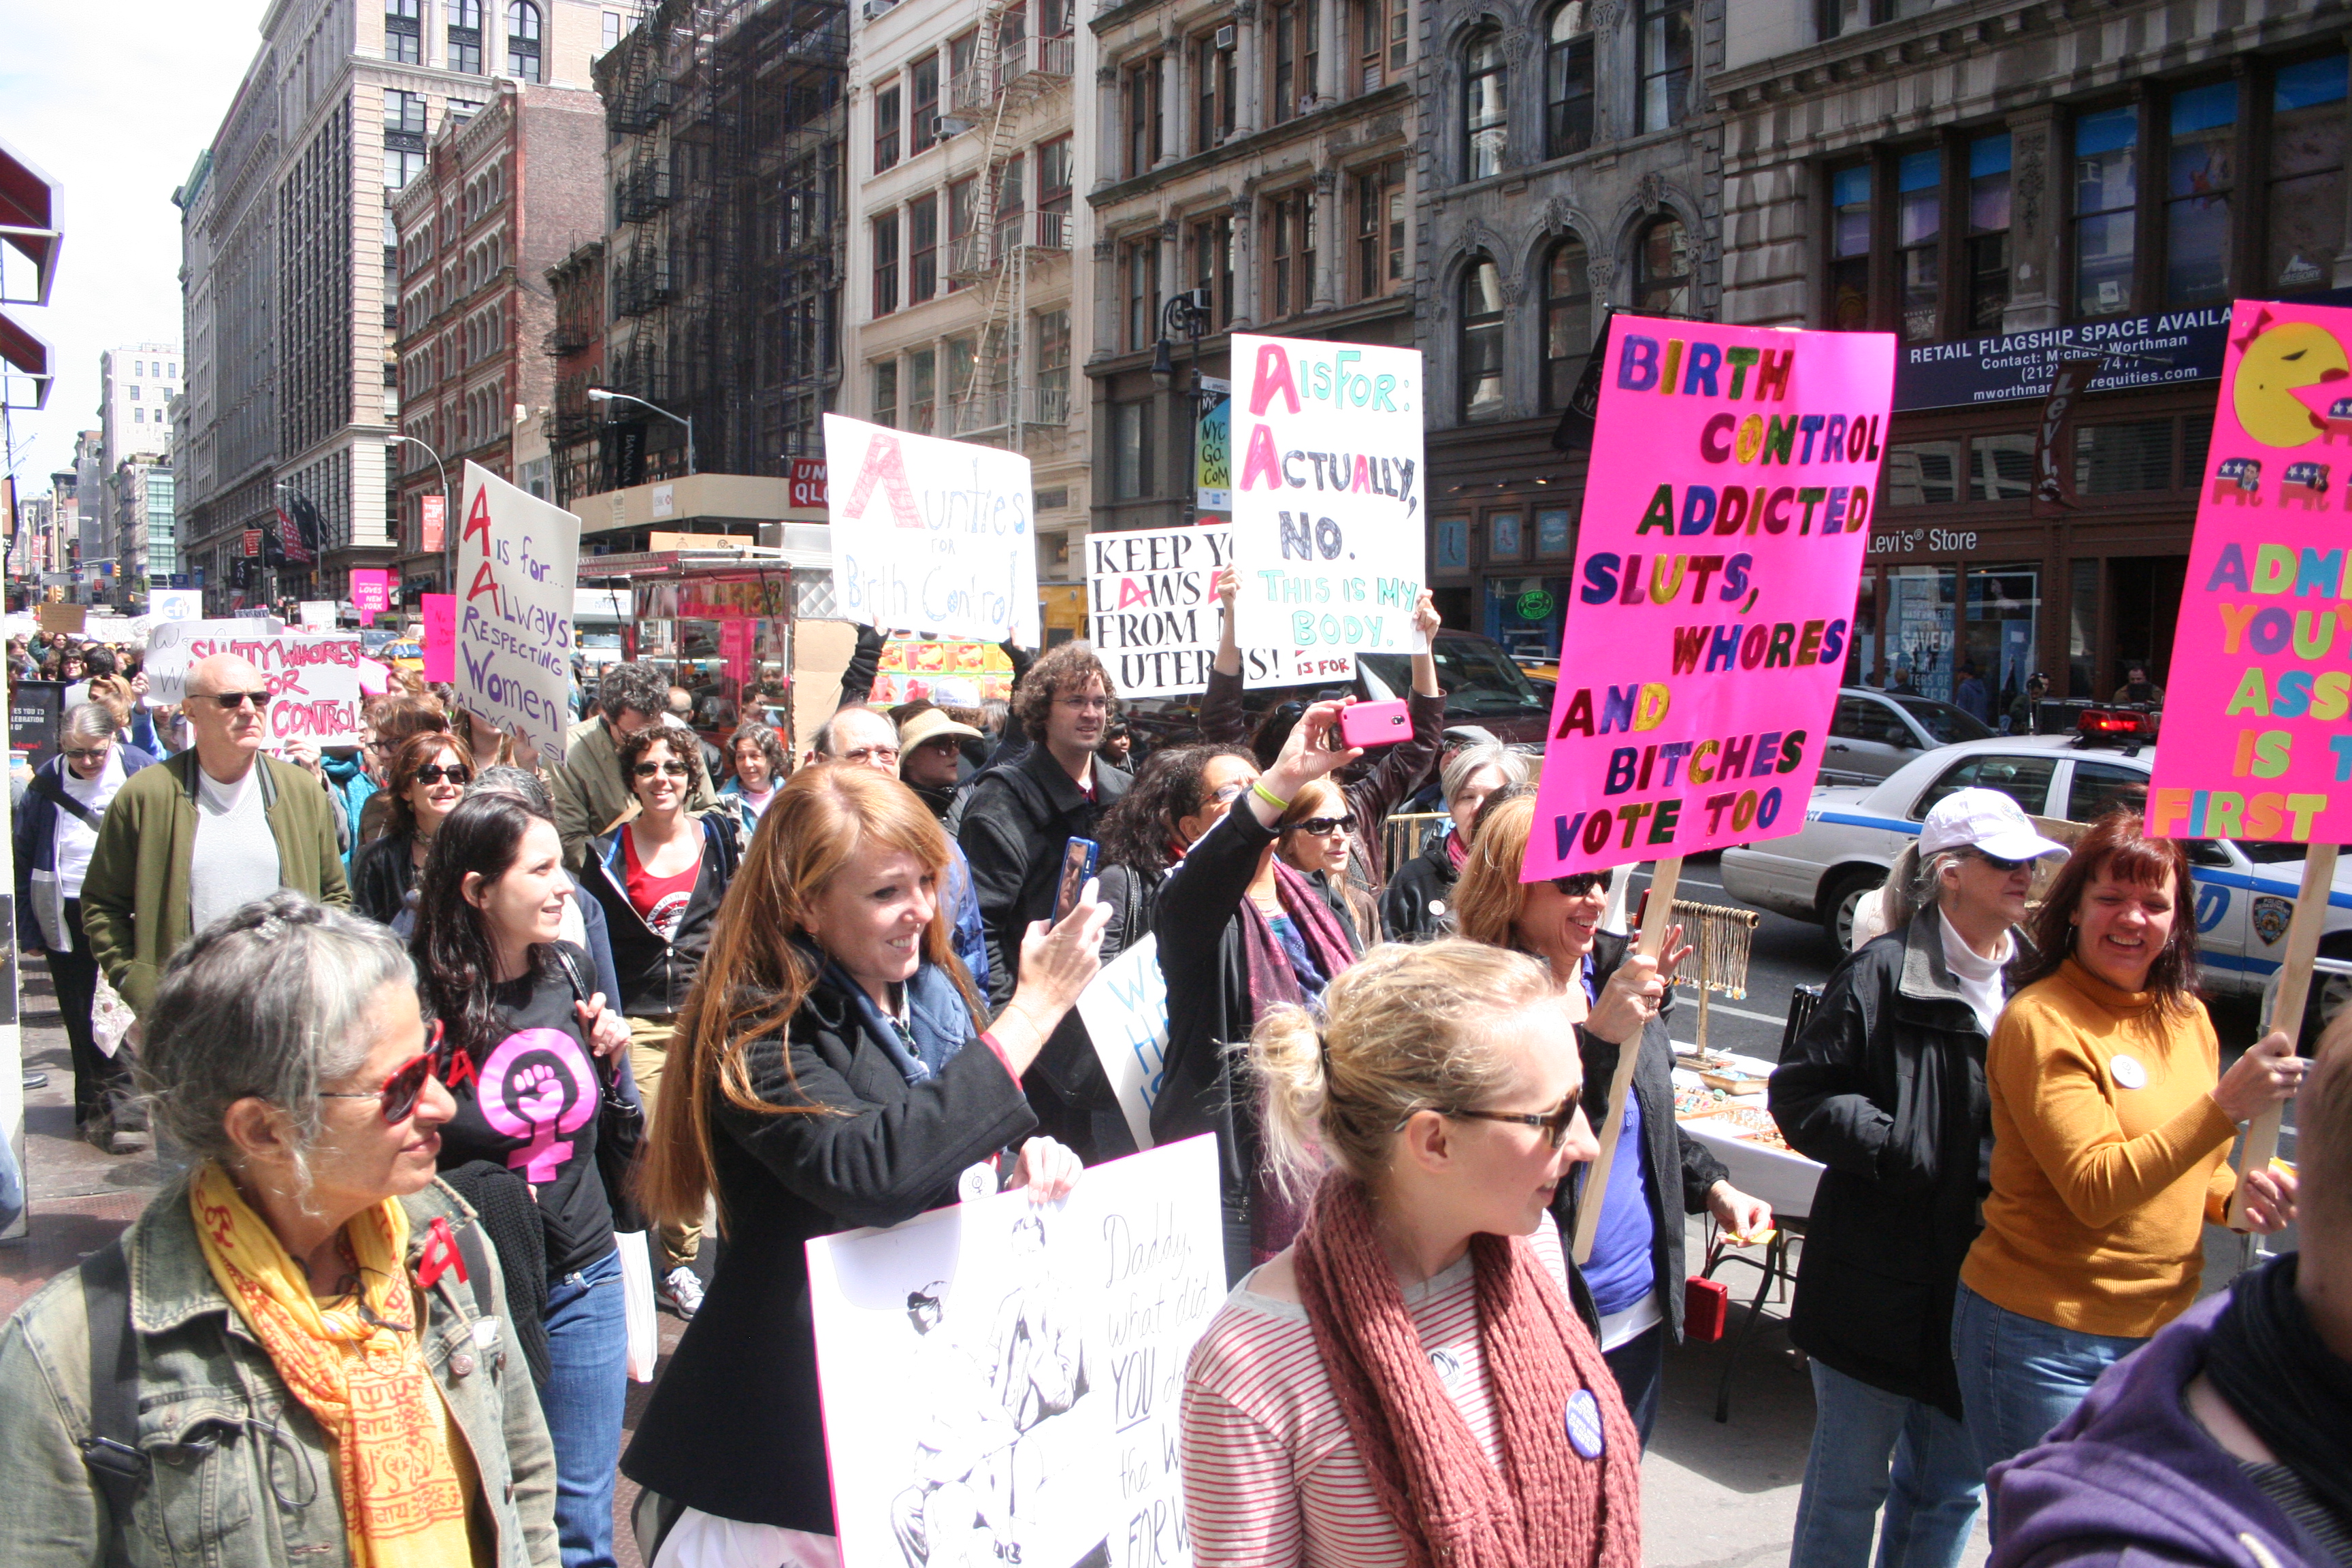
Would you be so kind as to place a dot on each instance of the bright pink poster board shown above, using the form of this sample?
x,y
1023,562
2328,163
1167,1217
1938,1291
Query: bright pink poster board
x,y
440,635
2256,744
371,591
1725,521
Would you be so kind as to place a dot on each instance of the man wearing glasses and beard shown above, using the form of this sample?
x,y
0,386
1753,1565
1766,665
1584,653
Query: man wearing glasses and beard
x,y
205,833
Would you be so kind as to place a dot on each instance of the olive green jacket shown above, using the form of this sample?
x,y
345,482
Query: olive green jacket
x,y
238,1473
589,794
134,898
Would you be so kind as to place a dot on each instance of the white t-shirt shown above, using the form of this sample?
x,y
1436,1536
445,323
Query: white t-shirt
x,y
76,839
1978,978
235,856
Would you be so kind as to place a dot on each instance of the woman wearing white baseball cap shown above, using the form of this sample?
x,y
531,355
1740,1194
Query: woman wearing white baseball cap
x,y
1886,1085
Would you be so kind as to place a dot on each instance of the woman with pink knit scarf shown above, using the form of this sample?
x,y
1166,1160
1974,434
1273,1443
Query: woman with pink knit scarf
x,y
1407,1385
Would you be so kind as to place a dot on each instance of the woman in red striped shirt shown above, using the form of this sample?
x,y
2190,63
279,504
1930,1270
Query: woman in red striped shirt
x,y
1407,1384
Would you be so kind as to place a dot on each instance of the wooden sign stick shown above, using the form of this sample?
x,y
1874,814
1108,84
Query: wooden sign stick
x,y
2295,988
1657,918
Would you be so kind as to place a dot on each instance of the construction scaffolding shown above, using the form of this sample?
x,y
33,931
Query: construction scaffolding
x,y
729,119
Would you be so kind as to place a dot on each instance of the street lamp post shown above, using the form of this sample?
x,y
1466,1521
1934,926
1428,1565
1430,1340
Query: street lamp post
x,y
1186,315
606,395
448,509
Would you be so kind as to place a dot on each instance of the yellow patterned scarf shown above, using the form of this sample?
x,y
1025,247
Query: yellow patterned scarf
x,y
356,1365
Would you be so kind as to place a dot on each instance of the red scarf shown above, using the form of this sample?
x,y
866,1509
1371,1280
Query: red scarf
x,y
1545,1506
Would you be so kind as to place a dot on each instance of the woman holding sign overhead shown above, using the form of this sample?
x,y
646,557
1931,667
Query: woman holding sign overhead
x,y
832,1069
1635,1271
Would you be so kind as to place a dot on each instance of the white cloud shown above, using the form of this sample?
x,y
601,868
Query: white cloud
x,y
115,102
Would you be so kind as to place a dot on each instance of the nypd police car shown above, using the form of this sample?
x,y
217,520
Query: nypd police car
x,y
2243,893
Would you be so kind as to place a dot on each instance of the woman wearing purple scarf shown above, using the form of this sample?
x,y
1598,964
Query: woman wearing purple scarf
x,y
1239,931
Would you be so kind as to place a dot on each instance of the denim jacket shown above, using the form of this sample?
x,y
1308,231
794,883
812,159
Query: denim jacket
x,y
239,1472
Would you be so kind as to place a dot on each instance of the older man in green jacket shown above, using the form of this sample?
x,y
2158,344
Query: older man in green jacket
x,y
210,830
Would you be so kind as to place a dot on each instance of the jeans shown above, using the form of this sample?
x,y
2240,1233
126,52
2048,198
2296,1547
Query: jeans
x,y
1931,1495
588,1353
2020,1376
1640,1367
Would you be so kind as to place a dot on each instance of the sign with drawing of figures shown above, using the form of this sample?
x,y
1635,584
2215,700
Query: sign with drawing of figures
x,y
1002,1378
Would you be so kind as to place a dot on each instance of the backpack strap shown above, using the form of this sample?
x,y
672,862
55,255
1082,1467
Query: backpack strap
x,y
46,785
111,1452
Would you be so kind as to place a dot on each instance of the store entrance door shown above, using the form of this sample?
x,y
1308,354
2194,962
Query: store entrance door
x,y
2142,607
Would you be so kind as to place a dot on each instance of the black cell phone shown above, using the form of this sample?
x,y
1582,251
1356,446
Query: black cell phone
x,y
1078,857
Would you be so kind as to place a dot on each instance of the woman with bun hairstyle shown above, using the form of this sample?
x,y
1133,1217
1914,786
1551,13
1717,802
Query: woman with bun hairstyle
x,y
1407,1383
2112,1123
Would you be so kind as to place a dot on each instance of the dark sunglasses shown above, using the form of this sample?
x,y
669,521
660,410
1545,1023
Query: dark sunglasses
x,y
1552,1124
1316,826
433,772
1997,863
674,769
1584,884
401,1091
78,755
233,699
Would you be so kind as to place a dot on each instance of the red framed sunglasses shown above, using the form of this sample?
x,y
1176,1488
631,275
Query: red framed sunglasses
x,y
401,1091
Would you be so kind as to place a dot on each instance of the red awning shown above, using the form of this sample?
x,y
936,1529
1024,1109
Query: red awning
x,y
28,355
32,220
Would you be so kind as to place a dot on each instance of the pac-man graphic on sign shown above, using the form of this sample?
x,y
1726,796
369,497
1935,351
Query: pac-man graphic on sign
x,y
2276,361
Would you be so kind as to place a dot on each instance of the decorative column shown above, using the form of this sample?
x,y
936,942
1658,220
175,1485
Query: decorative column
x,y
1330,50
1247,118
1107,302
1245,217
1327,240
2037,196
1109,166
1180,143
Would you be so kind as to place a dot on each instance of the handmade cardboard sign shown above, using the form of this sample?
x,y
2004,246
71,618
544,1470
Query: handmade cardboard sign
x,y
1125,1010
439,614
1714,592
1153,616
518,560
313,680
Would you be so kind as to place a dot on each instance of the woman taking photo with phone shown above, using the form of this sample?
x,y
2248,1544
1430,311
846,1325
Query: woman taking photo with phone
x,y
427,777
1317,837
1407,1382
519,1033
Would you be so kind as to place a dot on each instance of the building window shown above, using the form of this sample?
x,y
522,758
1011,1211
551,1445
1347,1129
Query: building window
x,y
1380,230
1052,330
403,32
1568,322
886,264
922,248
1144,128
1130,450
1010,204
963,214
1918,225
2305,200
2200,175
1665,62
1568,81
2106,190
1291,250
885,128
1214,73
466,36
2123,459
1213,266
1988,232
1850,248
1485,122
1294,59
1662,286
923,98
922,390
612,28
1055,179
1141,272
403,138
886,393
1482,340
523,41
1384,36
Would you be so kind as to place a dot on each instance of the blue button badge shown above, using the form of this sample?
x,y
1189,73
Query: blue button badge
x,y
1584,1433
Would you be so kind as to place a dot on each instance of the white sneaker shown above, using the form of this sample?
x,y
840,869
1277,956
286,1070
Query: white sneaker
x,y
681,1289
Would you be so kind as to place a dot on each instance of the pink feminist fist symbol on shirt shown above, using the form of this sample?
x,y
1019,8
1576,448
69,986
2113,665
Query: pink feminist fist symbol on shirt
x,y
537,1084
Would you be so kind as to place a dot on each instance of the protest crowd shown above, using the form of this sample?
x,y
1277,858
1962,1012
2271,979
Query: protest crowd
x,y
438,1028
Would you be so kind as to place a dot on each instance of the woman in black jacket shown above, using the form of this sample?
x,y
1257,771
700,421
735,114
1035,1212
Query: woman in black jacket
x,y
1238,933
832,1071
1635,1271
1177,795
1414,909
1886,1085
427,778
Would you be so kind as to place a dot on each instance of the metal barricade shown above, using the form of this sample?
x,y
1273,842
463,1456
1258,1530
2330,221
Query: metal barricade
x,y
1400,838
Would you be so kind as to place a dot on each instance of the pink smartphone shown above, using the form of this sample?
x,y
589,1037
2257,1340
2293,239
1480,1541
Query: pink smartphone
x,y
1373,724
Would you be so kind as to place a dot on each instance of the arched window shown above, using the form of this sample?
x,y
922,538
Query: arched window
x,y
1485,94
1662,282
1566,322
522,41
1482,340
1568,81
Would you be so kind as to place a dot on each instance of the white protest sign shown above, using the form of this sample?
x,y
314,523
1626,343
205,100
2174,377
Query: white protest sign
x,y
313,681
931,536
319,613
1001,1379
176,604
1328,491
518,567
1152,614
1125,1010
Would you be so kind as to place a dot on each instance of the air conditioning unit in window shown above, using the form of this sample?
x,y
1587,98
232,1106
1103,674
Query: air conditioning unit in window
x,y
1224,39
875,8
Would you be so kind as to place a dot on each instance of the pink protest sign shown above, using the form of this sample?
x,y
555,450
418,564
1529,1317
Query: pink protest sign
x,y
2255,743
371,591
1722,535
440,635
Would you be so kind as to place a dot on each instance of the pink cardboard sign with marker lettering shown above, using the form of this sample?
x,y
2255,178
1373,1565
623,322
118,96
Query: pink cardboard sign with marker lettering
x,y
2255,743
1724,521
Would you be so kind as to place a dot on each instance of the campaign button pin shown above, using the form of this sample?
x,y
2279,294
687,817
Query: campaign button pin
x,y
2129,1071
1584,1433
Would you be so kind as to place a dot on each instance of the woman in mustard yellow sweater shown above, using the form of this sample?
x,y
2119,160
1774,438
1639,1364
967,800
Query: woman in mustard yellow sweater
x,y
2112,1125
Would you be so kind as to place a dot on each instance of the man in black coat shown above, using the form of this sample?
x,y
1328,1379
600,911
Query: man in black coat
x,y
1017,821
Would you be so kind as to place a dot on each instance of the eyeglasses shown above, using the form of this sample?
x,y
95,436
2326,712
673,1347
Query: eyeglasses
x,y
1225,794
871,754
1552,1124
232,701
88,754
1997,863
1583,884
1316,826
674,768
433,772
1084,704
402,1090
